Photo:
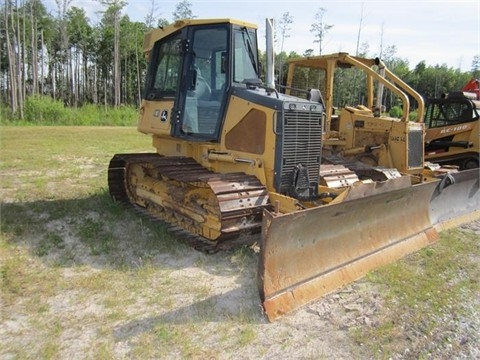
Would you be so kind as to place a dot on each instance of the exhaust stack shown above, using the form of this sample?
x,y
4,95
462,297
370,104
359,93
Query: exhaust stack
x,y
270,72
381,70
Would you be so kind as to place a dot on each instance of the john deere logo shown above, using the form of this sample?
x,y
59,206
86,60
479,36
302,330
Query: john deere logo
x,y
164,115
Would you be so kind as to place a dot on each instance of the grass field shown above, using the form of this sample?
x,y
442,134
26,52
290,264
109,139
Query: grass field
x,y
82,278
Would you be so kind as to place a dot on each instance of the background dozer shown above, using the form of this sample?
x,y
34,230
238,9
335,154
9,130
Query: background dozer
x,y
452,127
235,158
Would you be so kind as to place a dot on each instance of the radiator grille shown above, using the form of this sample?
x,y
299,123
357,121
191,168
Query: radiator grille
x,y
301,145
415,149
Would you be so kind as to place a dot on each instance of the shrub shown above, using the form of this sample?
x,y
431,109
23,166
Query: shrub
x,y
43,110
412,116
5,113
46,111
122,116
396,112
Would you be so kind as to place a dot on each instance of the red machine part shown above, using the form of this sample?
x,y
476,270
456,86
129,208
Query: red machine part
x,y
473,86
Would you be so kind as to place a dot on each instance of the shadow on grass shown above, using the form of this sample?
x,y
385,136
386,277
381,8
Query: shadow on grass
x,y
226,307
97,233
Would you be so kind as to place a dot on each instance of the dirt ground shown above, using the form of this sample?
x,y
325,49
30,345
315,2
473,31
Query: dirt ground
x,y
139,297
321,330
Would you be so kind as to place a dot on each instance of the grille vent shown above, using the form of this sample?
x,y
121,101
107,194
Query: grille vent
x,y
301,145
415,149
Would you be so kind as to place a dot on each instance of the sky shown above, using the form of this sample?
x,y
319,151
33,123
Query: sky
x,y
437,32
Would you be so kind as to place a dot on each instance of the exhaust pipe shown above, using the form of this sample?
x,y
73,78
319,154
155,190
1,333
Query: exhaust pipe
x,y
381,70
270,71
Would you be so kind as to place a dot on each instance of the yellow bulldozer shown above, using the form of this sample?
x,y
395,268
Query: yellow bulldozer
x,y
237,161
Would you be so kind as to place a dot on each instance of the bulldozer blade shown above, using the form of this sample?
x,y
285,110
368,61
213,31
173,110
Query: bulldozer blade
x,y
456,200
307,254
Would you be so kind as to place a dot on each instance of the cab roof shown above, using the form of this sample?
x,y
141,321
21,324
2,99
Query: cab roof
x,y
155,34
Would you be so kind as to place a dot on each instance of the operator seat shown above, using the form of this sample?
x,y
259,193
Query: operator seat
x,y
203,90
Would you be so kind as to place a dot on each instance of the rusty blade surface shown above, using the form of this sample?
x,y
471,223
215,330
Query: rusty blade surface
x,y
307,254
456,200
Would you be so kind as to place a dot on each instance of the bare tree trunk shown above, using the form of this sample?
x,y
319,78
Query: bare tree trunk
x,y
150,17
85,82
359,31
125,81
380,54
42,64
284,24
67,79
71,80
77,77
355,96
20,88
138,68
24,54
115,6
105,94
95,84
34,41
54,80
65,75
12,66
116,60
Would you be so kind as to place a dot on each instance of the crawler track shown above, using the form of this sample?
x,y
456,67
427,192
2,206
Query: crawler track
x,y
207,210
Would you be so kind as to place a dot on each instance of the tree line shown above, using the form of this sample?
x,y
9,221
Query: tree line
x,y
64,56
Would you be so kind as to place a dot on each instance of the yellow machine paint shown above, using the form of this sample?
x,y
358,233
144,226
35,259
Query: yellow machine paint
x,y
362,132
327,197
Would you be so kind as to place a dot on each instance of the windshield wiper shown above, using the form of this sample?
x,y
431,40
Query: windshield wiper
x,y
248,44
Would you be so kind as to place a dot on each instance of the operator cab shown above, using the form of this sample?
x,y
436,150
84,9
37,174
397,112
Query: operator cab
x,y
452,110
195,67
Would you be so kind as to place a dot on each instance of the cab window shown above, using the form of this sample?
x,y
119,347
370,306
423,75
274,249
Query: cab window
x,y
440,114
163,78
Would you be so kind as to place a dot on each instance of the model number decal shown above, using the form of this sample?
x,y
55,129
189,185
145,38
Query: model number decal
x,y
397,138
454,128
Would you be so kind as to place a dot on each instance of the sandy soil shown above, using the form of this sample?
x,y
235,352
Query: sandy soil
x,y
209,318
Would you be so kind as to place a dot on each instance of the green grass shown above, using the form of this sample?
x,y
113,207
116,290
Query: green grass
x,y
65,244
51,162
424,293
